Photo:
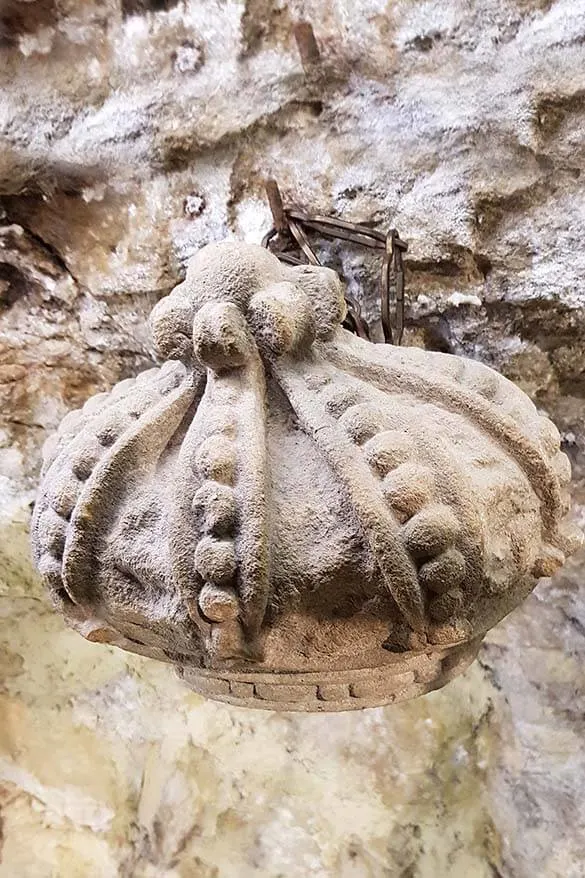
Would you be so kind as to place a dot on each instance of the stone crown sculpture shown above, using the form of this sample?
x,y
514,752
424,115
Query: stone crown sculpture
x,y
297,518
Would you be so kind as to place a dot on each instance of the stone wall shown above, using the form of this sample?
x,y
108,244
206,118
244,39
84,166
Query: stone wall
x,y
135,131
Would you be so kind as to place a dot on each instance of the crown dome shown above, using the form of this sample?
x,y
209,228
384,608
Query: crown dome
x,y
294,517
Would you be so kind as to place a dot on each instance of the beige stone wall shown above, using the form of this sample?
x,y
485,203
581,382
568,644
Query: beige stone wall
x,y
135,132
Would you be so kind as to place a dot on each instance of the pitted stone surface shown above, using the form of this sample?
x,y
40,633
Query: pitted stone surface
x,y
444,544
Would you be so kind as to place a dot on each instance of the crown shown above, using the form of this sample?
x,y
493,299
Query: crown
x,y
297,518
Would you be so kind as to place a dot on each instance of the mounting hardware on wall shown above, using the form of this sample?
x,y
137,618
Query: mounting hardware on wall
x,y
290,234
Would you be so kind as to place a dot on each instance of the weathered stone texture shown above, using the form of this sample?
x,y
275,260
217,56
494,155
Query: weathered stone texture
x,y
135,132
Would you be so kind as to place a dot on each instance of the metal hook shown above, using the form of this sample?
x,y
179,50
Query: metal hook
x,y
291,226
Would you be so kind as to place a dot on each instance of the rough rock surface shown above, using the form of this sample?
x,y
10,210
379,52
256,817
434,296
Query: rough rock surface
x,y
133,133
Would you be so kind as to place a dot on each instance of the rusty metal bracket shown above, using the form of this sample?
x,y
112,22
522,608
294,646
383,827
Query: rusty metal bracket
x,y
289,236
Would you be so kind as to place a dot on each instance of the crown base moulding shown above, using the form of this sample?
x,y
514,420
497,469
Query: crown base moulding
x,y
294,517
326,691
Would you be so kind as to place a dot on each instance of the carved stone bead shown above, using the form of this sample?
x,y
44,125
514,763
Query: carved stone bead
x,y
218,604
215,560
385,451
297,518
217,506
